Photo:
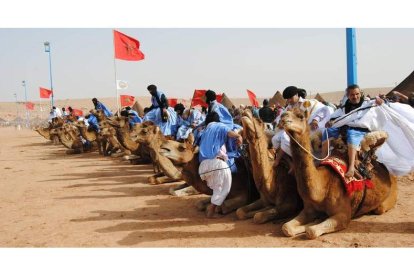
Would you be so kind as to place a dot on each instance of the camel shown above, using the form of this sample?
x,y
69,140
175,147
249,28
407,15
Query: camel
x,y
125,136
278,194
109,134
114,148
150,136
186,155
323,192
69,137
46,132
90,135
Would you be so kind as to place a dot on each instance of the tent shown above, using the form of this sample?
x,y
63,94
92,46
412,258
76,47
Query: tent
x,y
406,86
319,98
277,99
138,108
226,102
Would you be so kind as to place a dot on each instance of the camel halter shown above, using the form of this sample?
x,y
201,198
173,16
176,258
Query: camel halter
x,y
307,151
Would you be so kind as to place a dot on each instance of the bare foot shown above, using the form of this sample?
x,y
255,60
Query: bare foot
x,y
350,173
210,211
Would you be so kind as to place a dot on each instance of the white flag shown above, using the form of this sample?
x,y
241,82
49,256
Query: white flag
x,y
121,84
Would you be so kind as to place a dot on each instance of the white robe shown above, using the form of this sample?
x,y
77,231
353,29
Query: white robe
x,y
397,153
217,174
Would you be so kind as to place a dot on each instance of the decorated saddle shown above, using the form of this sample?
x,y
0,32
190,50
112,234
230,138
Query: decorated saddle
x,y
352,184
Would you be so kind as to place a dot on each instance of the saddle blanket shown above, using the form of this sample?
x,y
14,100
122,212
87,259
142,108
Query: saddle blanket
x,y
352,184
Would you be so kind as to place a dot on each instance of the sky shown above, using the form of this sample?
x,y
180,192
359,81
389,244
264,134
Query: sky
x,y
179,60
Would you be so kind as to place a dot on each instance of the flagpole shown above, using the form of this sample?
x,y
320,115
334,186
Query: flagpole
x,y
116,88
41,109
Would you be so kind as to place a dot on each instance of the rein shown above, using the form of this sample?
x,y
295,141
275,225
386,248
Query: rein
x,y
307,151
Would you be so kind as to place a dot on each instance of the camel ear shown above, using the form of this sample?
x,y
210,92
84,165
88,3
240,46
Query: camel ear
x,y
190,139
306,105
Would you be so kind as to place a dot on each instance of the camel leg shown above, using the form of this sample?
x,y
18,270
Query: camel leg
x,y
99,147
283,210
298,224
332,224
163,179
232,204
250,210
55,140
202,204
266,214
390,201
153,178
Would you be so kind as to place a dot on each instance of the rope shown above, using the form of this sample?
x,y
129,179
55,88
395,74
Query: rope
x,y
352,112
220,168
314,157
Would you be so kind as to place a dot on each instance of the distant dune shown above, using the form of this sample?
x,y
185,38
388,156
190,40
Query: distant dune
x,y
9,110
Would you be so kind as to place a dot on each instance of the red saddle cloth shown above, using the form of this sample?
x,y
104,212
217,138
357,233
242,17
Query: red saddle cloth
x,y
351,184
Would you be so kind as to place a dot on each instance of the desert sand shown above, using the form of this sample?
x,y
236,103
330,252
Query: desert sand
x,y
51,199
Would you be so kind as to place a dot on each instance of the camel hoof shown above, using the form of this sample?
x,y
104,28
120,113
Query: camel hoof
x,y
287,231
118,154
311,233
152,180
259,218
241,214
201,206
187,191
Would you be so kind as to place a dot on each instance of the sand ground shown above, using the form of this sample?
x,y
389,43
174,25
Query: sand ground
x,y
51,199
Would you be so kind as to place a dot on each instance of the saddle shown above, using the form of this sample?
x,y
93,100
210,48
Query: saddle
x,y
366,155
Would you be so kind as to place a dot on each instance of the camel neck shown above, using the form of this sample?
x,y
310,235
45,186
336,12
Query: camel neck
x,y
305,170
262,169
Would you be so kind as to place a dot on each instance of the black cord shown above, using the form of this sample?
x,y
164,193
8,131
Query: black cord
x,y
220,168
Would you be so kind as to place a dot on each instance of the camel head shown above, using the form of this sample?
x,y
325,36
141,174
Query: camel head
x,y
295,121
146,132
54,131
119,121
253,128
80,124
178,153
98,113
57,122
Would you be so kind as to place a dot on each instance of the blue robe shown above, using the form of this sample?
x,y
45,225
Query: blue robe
x,y
212,139
93,121
223,112
167,128
154,100
184,128
134,120
101,106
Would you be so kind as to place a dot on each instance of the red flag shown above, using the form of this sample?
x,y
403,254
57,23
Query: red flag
x,y
126,48
30,106
77,112
199,98
127,100
252,98
172,102
45,93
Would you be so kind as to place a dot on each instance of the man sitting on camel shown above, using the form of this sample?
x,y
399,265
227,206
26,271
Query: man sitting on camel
x,y
353,130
